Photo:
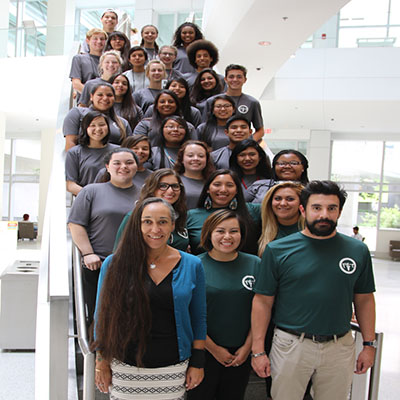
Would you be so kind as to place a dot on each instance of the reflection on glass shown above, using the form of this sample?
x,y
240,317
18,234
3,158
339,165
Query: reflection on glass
x,y
395,34
356,161
364,12
391,170
390,211
351,37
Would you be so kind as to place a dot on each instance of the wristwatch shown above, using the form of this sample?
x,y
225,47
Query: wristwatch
x,y
372,344
255,355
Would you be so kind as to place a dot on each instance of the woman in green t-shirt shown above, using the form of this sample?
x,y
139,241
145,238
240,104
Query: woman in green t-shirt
x,y
230,276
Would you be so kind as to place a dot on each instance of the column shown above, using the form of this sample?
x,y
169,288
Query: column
x,y
319,154
4,18
2,139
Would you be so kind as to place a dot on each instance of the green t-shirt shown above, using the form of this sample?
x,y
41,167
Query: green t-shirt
x,y
314,281
197,216
229,297
179,240
286,230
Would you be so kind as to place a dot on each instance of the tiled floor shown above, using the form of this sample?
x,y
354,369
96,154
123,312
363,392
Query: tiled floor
x,y
17,368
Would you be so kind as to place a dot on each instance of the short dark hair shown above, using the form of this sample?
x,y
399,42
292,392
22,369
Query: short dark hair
x,y
323,187
237,117
108,156
230,67
202,44
133,140
215,219
84,139
138,48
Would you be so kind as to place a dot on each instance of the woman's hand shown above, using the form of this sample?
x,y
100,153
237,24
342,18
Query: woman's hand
x,y
92,261
194,376
222,355
241,355
102,375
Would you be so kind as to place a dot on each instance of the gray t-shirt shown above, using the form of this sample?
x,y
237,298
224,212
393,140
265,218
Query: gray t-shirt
x,y
100,208
182,63
193,188
256,192
218,137
170,156
173,74
137,80
82,163
84,67
72,124
221,157
89,85
144,128
144,98
246,106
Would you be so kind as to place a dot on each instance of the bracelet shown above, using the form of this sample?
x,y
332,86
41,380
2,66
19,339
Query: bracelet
x,y
98,370
255,355
198,358
87,254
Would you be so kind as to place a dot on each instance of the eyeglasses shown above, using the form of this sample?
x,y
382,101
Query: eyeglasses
x,y
176,187
287,163
223,106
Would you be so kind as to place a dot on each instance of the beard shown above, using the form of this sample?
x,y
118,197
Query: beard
x,y
321,231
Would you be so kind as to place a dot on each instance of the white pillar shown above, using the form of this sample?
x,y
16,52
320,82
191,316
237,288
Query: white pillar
x,y
144,14
319,154
46,161
60,26
4,21
2,139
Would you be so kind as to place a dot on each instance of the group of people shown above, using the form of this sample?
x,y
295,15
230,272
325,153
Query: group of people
x,y
192,240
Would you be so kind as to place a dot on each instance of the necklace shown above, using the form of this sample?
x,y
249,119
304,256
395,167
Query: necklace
x,y
152,264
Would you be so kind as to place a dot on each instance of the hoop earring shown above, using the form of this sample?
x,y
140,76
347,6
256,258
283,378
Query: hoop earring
x,y
208,203
233,204
171,238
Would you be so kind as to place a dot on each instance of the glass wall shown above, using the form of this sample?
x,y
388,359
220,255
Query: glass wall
x,y
369,172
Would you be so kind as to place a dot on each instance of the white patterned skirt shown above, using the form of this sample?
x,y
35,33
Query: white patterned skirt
x,y
165,383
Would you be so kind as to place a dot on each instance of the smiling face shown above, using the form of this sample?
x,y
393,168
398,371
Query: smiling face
x,y
237,131
187,35
223,109
96,43
156,72
166,105
109,21
207,81
120,85
222,190
142,150
167,56
178,88
248,160
103,98
173,133
110,65
122,168
225,238
203,59
117,42
235,79
194,158
97,130
285,205
156,225
149,35
170,193
288,167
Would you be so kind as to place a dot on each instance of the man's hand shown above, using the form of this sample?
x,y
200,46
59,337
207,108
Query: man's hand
x,y
261,366
365,360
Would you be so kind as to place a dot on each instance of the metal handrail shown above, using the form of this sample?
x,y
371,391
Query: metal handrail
x,y
375,370
83,339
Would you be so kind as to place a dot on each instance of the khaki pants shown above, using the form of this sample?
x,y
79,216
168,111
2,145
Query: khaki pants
x,y
294,360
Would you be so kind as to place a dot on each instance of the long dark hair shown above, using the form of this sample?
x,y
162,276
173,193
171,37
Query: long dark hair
x,y
124,314
111,112
156,119
180,168
125,50
241,208
151,185
129,109
185,105
84,139
212,123
160,139
137,48
198,94
177,40
304,162
263,169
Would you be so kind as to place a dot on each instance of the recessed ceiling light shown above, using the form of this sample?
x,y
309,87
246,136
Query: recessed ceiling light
x,y
264,43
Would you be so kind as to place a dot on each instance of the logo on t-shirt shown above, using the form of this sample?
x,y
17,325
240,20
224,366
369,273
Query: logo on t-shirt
x,y
248,282
243,109
348,265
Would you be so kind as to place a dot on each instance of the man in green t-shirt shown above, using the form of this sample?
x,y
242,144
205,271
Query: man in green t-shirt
x,y
313,277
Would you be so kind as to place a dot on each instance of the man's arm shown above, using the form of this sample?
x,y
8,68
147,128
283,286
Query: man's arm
x,y
364,304
258,134
77,84
260,318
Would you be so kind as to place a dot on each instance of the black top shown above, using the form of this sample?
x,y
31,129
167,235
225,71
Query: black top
x,y
162,345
